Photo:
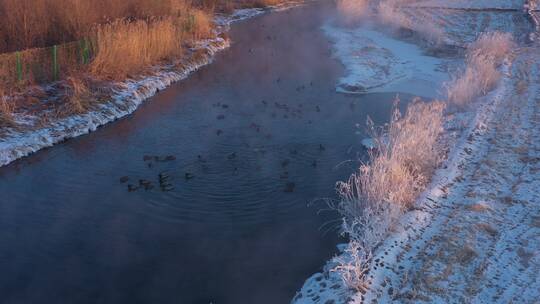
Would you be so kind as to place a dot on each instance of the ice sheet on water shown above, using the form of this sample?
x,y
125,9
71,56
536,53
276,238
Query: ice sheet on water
x,y
376,62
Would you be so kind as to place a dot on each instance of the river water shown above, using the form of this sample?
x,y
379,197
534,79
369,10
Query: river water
x,y
203,195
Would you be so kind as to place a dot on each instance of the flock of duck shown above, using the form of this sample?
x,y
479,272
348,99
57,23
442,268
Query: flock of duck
x,y
165,181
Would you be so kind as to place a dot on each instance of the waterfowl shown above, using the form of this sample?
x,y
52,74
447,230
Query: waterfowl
x,y
124,179
147,158
289,187
189,176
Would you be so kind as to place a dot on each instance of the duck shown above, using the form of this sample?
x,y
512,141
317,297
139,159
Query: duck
x,y
289,187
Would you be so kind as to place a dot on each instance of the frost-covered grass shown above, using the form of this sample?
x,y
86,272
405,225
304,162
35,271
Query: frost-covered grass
x,y
406,155
481,74
400,167
390,12
353,10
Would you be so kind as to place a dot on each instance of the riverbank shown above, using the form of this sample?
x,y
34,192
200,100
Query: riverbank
x,y
447,247
30,132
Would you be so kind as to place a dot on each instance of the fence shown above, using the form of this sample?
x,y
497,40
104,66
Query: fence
x,y
43,65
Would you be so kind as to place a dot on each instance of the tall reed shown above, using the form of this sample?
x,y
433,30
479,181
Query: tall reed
x,y
399,168
481,74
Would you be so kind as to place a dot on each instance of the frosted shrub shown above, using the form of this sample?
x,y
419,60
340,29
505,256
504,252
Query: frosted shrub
x,y
481,74
353,10
372,200
6,112
390,12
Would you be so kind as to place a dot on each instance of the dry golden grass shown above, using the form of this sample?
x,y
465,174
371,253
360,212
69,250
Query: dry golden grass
x,y
39,23
125,47
78,97
6,112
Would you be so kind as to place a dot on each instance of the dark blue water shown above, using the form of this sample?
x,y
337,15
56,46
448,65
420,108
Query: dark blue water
x,y
250,141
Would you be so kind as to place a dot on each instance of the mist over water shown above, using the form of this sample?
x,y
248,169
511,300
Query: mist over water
x,y
245,144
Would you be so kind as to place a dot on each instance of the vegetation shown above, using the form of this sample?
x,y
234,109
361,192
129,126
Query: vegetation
x,y
389,12
400,167
43,41
124,47
481,74
6,112
406,154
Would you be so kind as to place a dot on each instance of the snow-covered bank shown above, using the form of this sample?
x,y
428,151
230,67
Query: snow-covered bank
x,y
473,236
376,62
128,96
471,135
132,93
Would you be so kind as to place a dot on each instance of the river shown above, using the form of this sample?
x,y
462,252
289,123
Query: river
x,y
205,194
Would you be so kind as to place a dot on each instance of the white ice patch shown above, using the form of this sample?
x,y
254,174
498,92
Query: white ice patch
x,y
375,62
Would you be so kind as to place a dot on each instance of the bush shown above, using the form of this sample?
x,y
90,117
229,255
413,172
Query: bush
x,y
390,12
6,112
124,47
399,169
481,74
353,10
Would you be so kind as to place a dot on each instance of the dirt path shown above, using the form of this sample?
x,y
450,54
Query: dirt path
x,y
479,241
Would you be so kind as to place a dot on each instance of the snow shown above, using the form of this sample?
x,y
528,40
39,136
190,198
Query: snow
x,y
376,62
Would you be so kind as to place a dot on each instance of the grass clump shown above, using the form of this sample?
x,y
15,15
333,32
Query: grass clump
x,y
124,47
389,12
400,167
78,98
481,75
7,119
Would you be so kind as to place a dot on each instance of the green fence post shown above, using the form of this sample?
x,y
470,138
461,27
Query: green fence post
x,y
55,62
19,67
84,51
